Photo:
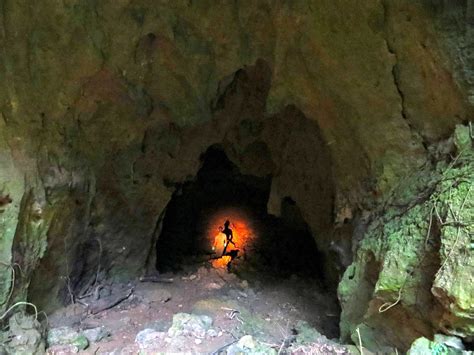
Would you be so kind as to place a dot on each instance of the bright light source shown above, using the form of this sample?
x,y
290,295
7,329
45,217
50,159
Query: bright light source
x,y
242,233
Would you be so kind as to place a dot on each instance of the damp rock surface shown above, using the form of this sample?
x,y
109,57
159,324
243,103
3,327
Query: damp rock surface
x,y
185,324
106,108
416,256
92,139
67,336
25,335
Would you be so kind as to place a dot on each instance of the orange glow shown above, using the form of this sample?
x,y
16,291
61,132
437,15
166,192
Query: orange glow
x,y
222,262
242,231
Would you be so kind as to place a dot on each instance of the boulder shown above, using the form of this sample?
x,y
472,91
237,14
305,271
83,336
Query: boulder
x,y
25,334
190,325
95,335
67,336
148,339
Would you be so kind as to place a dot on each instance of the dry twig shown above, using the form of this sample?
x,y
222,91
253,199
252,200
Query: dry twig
x,y
360,342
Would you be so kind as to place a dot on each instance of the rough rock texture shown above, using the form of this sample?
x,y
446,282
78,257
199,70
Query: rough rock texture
x,y
67,336
23,336
414,270
106,106
448,346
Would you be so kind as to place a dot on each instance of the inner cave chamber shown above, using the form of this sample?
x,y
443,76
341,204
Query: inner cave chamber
x,y
193,223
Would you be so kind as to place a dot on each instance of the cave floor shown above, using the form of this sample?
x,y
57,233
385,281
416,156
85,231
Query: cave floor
x,y
267,307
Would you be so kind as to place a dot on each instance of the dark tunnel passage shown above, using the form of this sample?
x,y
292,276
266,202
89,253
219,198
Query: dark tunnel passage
x,y
195,216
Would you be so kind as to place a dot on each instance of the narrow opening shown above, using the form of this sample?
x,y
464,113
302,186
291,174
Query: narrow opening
x,y
277,256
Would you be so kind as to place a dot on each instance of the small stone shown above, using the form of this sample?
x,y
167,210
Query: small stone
x,y
67,336
62,350
81,342
246,342
451,341
149,338
23,337
212,333
244,284
190,324
420,346
192,277
197,341
213,286
61,335
95,335
141,336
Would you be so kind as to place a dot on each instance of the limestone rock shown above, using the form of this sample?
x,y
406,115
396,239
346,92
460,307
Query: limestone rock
x,y
105,105
307,334
148,339
185,324
423,346
463,139
246,342
95,335
451,341
415,258
67,336
212,333
420,346
248,345
25,334
62,350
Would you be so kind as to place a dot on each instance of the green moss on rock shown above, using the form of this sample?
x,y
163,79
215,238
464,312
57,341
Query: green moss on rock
x,y
416,257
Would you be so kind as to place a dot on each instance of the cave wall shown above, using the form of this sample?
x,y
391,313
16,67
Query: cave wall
x,y
413,273
106,105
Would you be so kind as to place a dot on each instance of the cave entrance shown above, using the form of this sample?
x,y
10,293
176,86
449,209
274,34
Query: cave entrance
x,y
193,229
276,269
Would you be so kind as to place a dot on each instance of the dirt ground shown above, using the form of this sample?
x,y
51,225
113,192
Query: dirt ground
x,y
264,306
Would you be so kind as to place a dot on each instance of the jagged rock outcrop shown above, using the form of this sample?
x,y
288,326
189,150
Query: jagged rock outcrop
x,y
413,274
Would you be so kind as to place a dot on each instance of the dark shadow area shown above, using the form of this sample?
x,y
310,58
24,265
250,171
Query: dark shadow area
x,y
286,245
279,245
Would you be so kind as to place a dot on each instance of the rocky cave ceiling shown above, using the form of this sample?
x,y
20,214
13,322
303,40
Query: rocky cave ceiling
x,y
106,106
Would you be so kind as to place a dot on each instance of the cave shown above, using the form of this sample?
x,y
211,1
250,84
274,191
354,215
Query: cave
x,y
194,218
234,177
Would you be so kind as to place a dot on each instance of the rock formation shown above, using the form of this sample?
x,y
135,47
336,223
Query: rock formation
x,y
106,106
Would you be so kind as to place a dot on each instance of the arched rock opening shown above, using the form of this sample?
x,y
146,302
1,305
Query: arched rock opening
x,y
194,218
280,161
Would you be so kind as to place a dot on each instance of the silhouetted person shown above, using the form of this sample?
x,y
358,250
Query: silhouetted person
x,y
228,235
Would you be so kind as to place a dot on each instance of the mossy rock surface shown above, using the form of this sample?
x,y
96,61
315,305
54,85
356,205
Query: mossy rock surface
x,y
416,257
